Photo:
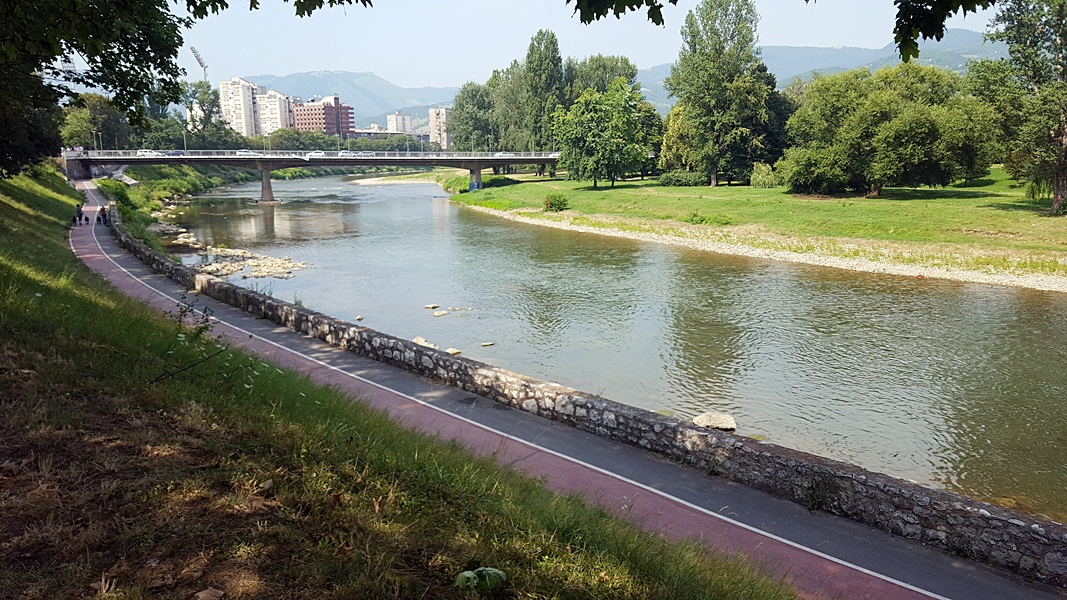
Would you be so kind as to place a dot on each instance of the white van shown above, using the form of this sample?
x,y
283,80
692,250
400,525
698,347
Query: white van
x,y
149,153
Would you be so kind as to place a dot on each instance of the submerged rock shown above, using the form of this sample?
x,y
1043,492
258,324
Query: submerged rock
x,y
440,313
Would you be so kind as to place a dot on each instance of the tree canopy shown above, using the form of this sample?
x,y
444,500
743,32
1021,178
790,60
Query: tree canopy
x,y
600,135
715,77
904,125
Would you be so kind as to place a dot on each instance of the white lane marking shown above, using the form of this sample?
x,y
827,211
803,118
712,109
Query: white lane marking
x,y
508,436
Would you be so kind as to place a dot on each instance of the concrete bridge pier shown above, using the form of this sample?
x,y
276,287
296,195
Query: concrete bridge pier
x,y
267,195
476,178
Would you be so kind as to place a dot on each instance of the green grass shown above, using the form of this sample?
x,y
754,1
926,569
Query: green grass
x,y
124,472
988,225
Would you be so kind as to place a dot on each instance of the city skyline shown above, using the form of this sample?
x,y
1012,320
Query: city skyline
x,y
428,43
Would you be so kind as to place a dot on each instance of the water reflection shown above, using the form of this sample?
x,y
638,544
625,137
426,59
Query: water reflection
x,y
945,383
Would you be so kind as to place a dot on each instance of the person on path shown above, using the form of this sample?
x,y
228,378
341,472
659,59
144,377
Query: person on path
x,y
103,214
78,215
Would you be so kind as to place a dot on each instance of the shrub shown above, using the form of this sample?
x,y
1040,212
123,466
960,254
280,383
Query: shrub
x,y
683,179
556,202
764,176
698,219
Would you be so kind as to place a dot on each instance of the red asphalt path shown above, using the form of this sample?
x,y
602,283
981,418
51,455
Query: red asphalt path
x,y
812,573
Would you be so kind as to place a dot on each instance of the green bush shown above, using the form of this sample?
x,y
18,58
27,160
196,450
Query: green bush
x,y
556,202
764,176
683,179
698,219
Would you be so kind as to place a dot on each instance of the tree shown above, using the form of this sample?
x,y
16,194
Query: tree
x,y
904,125
997,83
29,122
1036,34
595,73
470,120
599,136
714,78
94,115
679,147
649,135
507,90
544,87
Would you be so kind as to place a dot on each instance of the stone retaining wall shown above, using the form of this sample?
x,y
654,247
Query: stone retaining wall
x,y
1033,548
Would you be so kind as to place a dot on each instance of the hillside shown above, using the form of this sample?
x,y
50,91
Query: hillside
x,y
372,97
787,62
368,94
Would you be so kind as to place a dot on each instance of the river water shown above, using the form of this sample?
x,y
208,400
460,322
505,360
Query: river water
x,y
954,385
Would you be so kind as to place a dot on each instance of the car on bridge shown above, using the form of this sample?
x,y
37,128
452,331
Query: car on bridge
x,y
150,153
174,153
354,154
316,154
248,153
504,154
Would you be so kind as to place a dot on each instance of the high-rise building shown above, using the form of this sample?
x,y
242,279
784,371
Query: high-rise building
x,y
398,121
275,111
327,116
237,100
439,127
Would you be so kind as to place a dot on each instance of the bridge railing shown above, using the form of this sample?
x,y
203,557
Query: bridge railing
x,y
310,154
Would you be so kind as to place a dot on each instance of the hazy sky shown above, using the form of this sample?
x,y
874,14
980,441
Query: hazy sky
x,y
416,43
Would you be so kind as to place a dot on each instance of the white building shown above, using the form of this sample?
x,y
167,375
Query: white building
x,y
275,111
439,127
398,122
237,100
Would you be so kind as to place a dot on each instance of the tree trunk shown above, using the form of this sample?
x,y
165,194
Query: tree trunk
x,y
1059,188
714,179
594,183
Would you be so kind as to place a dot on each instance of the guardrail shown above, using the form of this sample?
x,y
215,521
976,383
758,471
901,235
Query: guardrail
x,y
308,154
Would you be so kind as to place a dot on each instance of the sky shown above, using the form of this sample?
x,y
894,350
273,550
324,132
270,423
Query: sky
x,y
446,43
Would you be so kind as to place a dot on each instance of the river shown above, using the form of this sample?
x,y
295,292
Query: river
x,y
954,385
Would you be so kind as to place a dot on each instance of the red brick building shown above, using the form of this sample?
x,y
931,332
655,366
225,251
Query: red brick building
x,y
327,116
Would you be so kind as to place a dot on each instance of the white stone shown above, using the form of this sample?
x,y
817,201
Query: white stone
x,y
453,351
424,342
440,313
432,306
714,420
487,344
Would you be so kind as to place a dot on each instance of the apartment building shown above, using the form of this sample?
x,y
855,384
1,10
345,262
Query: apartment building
x,y
398,122
275,111
237,101
327,115
439,127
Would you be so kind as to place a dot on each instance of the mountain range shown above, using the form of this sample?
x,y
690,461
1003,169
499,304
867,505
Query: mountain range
x,y
372,97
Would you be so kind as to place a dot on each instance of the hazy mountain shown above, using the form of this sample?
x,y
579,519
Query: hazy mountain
x,y
786,62
367,94
372,97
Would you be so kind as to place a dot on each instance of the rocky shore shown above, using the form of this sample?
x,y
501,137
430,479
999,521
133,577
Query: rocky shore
x,y
866,256
224,262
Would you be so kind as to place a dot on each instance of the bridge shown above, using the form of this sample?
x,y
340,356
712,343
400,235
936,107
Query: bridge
x,y
79,163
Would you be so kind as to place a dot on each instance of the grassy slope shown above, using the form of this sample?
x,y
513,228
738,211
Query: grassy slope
x,y
119,474
987,226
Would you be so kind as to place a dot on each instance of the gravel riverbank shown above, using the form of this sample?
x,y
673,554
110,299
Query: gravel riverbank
x,y
865,255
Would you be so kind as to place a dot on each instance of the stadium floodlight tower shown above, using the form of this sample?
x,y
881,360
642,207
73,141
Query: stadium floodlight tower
x,y
200,60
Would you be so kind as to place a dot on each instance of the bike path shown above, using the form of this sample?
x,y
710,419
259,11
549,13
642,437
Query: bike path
x,y
819,554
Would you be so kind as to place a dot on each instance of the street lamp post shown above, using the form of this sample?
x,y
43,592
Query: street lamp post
x,y
95,147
